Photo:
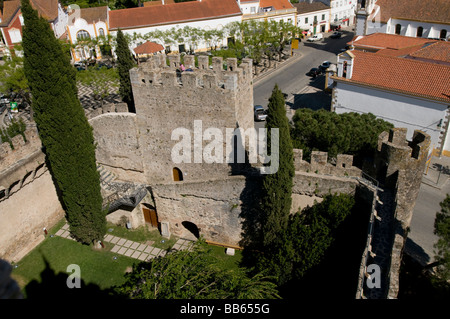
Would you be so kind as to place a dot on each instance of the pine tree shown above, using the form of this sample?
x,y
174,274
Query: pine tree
x,y
65,133
277,187
125,63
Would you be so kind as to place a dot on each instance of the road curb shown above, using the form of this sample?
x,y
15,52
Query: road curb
x,y
295,57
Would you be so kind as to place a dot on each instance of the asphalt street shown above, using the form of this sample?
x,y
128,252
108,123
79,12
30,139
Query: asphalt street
x,y
293,79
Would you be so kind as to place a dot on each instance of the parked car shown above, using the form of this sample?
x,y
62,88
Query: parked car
x,y
336,35
325,65
260,113
314,72
316,37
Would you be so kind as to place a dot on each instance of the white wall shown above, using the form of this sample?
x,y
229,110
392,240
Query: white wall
x,y
409,28
310,15
203,24
59,25
400,110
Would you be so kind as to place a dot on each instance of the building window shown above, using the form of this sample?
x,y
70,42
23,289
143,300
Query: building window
x,y
253,9
83,35
15,35
443,34
419,32
306,20
398,28
101,32
323,17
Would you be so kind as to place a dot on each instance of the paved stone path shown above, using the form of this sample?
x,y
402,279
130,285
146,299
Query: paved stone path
x,y
131,248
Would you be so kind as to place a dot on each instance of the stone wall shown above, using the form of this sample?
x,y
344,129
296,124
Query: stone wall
x,y
167,99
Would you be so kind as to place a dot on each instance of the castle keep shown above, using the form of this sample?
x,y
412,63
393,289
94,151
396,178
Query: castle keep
x,y
144,181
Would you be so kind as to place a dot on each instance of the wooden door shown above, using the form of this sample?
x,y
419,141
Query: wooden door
x,y
150,216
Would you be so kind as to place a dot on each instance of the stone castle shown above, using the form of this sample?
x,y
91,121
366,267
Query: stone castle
x,y
141,181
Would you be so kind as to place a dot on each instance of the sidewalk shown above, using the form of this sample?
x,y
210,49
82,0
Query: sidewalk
x,y
437,173
131,248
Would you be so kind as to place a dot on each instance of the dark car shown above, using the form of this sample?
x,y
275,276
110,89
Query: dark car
x,y
325,65
336,35
314,72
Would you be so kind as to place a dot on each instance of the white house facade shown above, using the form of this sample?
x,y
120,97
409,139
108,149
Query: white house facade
x,y
342,12
278,10
414,94
205,14
313,17
411,18
84,25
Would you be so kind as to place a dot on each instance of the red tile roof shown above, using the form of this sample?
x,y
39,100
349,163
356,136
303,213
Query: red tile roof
x,y
172,13
277,4
429,10
417,78
387,41
439,51
93,14
9,10
46,8
148,48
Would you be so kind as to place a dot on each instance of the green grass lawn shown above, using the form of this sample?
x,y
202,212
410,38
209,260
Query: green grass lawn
x,y
45,267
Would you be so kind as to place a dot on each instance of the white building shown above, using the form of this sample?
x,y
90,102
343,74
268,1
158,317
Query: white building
x,y
203,14
87,24
268,10
342,12
407,87
413,18
313,17
11,20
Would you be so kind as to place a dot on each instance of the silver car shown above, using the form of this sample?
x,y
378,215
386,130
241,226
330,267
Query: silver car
x,y
260,113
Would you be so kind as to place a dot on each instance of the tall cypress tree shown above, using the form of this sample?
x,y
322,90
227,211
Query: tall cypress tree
x,y
124,63
277,187
63,127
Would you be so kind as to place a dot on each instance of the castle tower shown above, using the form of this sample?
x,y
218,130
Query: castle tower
x,y
183,116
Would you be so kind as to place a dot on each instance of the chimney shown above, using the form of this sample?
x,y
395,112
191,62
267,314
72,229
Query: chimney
x,y
163,2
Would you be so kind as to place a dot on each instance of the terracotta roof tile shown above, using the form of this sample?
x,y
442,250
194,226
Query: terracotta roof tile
x,y
172,13
429,10
9,9
439,51
93,14
277,4
304,7
388,41
409,76
157,2
46,8
148,47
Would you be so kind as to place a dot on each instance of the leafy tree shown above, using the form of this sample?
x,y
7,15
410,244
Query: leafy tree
x,y
124,63
306,238
100,80
442,247
277,187
12,77
193,274
350,133
63,127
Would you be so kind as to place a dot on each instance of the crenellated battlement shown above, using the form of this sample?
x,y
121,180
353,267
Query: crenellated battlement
x,y
156,73
20,150
319,164
107,108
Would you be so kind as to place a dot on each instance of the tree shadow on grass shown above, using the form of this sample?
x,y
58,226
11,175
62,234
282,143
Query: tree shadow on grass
x,y
55,285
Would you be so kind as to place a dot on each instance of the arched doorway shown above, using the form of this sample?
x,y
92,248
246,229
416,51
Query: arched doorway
x,y
150,216
177,174
193,229
443,34
398,28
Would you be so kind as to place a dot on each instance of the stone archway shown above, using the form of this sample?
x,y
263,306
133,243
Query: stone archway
x,y
192,228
